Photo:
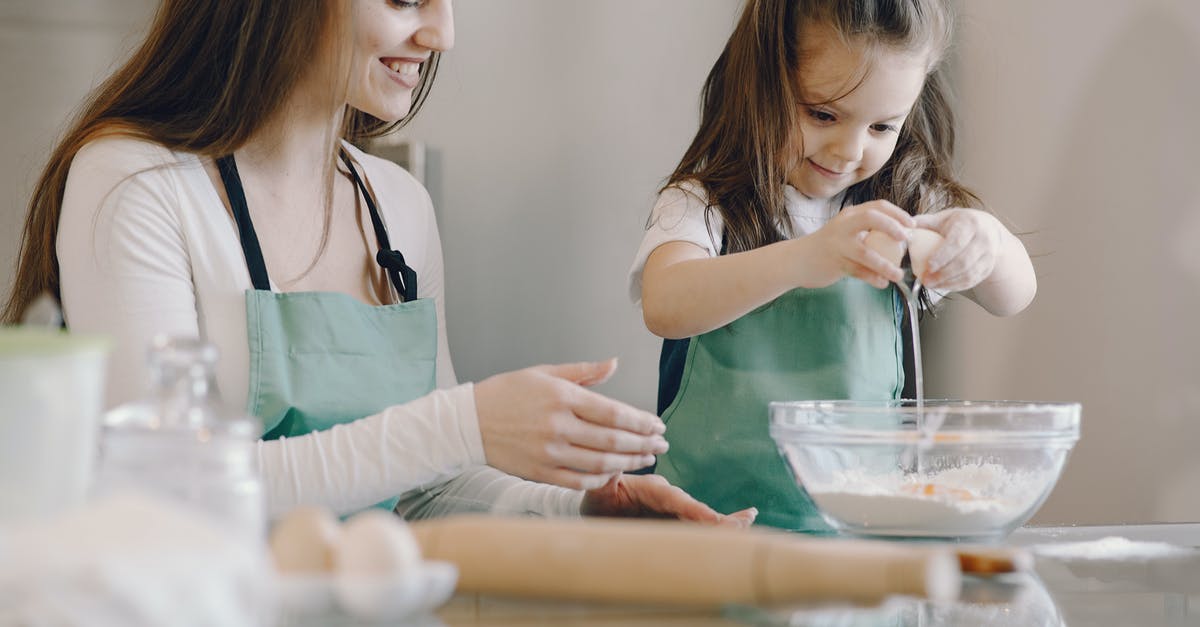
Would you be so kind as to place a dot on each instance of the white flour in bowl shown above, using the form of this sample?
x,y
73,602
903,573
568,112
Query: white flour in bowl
x,y
965,501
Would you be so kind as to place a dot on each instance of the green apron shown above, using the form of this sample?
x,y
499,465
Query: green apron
x,y
838,342
319,359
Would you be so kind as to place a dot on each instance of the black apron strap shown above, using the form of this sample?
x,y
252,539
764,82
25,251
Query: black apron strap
x,y
241,215
403,277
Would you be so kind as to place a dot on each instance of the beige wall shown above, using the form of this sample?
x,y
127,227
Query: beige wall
x,y
1080,125
51,54
554,120
554,123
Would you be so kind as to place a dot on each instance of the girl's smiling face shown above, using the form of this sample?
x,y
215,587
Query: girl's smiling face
x,y
855,102
391,40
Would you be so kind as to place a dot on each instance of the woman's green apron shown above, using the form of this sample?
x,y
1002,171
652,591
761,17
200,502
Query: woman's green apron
x,y
838,342
319,359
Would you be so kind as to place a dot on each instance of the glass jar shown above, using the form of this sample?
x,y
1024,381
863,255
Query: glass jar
x,y
182,443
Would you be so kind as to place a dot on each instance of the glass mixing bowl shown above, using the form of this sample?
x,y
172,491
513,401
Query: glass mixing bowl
x,y
975,469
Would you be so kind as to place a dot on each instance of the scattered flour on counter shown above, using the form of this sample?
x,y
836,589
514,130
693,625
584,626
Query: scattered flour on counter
x,y
965,501
1111,548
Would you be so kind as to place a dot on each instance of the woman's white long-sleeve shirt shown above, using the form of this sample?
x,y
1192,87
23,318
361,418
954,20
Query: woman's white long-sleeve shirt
x,y
145,246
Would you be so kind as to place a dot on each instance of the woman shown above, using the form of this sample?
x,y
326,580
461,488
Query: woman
x,y
208,189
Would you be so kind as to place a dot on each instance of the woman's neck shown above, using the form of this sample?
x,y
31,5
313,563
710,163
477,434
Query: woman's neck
x,y
295,145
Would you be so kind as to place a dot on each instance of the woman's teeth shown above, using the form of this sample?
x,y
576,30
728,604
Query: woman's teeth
x,y
401,67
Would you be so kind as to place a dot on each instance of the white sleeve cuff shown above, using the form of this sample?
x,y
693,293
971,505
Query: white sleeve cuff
x,y
484,489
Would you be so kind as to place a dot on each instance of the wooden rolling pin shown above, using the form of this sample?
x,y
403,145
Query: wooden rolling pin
x,y
985,561
667,562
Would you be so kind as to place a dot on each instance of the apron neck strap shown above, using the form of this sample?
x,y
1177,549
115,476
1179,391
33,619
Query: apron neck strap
x,y
402,276
241,215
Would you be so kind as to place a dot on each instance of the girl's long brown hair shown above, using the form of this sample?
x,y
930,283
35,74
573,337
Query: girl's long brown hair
x,y
751,106
209,74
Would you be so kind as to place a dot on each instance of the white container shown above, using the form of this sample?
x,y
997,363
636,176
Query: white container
x,y
51,396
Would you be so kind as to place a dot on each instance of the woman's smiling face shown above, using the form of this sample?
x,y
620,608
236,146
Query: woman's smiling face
x,y
391,41
854,108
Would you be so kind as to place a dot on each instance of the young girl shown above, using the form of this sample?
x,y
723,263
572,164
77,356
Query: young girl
x,y
821,121
209,188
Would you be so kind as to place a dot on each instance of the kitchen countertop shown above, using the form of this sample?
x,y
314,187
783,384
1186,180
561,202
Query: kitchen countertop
x,y
1081,587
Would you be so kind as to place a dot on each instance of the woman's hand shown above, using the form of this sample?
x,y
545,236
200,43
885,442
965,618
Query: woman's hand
x,y
652,496
542,424
972,245
841,249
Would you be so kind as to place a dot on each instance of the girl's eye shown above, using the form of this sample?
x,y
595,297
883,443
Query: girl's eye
x,y
403,4
883,128
821,116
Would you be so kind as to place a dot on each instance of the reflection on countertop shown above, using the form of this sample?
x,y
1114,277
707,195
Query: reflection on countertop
x,y
1143,575
1003,601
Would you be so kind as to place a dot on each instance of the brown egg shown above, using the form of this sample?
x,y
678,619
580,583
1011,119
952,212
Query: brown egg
x,y
883,244
376,543
304,540
921,244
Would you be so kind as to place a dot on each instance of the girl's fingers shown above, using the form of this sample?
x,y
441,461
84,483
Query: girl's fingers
x,y
956,239
932,221
873,267
881,265
864,273
958,282
876,220
964,272
896,213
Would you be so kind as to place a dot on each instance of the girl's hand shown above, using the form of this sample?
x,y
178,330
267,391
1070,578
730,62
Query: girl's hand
x,y
842,251
651,496
542,424
972,245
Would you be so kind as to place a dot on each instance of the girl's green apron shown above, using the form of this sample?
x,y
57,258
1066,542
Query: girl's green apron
x,y
838,342
319,359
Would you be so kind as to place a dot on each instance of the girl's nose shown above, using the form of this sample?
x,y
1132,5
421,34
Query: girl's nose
x,y
437,30
849,146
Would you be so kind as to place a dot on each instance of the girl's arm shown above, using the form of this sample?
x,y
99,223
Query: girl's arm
x,y
1011,286
686,292
982,259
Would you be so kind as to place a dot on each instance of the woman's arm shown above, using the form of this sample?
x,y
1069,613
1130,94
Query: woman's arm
x,y
354,465
124,265
126,260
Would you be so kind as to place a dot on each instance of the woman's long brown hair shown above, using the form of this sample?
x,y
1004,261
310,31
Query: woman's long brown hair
x,y
209,74
751,106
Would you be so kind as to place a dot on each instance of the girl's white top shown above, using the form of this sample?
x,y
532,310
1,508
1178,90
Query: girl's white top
x,y
679,216
145,246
